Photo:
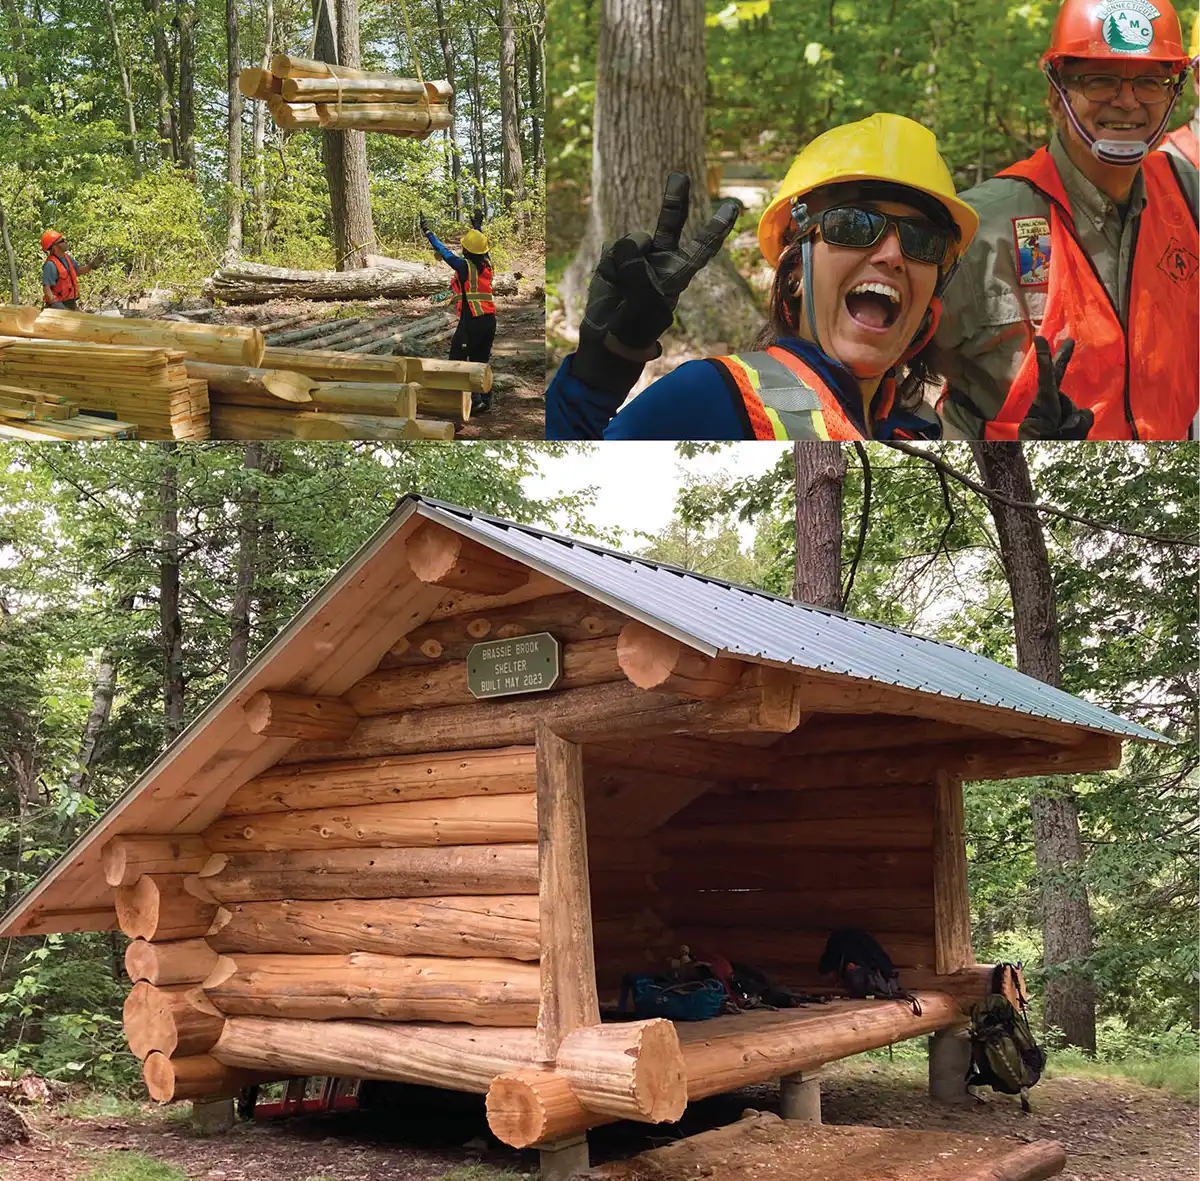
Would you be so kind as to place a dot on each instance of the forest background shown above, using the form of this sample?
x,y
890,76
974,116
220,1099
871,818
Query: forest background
x,y
738,88
117,120
136,580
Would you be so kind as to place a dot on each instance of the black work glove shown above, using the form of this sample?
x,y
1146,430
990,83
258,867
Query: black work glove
x,y
477,220
423,223
637,283
1053,415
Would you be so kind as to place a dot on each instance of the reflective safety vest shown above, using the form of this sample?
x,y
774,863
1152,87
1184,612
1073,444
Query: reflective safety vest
x,y
1142,382
785,398
1184,139
67,286
478,292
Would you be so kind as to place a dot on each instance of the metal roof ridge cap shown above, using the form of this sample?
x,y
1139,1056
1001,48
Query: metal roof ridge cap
x,y
383,534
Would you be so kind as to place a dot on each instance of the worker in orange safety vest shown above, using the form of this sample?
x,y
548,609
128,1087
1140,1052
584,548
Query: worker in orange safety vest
x,y
60,273
1183,141
1093,239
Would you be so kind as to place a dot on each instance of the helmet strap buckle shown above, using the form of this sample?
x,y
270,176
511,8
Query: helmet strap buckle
x,y
801,216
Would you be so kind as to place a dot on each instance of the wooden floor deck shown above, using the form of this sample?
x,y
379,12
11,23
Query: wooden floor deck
x,y
746,1048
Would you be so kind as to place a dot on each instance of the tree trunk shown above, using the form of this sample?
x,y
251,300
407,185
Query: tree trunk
x,y
233,236
1070,1001
103,689
448,59
513,167
16,20
126,88
648,121
478,148
532,63
164,81
820,476
186,22
168,594
10,254
344,153
259,142
247,563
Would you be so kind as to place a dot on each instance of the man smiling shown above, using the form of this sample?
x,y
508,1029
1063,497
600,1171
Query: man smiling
x,y
1092,240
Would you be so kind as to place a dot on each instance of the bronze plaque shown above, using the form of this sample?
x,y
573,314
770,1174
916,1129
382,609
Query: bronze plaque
x,y
521,664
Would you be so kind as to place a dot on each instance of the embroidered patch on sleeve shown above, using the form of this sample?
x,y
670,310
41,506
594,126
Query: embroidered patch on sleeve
x,y
1032,237
1179,262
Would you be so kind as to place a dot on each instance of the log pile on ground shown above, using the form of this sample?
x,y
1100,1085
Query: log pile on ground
x,y
253,282
303,93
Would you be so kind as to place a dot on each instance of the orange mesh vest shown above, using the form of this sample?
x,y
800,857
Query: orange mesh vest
x,y
785,398
478,292
67,286
1184,138
1141,383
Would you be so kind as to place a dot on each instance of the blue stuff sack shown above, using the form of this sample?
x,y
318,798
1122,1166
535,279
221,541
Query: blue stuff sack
x,y
661,996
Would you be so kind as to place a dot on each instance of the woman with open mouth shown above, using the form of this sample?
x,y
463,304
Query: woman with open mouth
x,y
864,233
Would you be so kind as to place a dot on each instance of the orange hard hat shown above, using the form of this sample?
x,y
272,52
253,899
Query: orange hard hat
x,y
49,238
1117,30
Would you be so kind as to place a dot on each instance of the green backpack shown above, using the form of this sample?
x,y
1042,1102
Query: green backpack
x,y
1004,1055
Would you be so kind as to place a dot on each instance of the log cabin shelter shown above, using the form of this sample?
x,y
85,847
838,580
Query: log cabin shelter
x,y
349,864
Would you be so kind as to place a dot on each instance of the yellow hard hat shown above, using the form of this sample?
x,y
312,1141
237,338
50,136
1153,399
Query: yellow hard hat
x,y
889,148
474,242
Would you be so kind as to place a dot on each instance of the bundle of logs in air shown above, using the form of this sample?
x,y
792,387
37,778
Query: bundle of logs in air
x,y
302,93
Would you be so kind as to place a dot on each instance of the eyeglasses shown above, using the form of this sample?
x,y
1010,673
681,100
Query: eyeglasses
x,y
1105,88
860,227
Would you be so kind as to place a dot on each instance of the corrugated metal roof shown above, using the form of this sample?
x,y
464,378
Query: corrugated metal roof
x,y
718,617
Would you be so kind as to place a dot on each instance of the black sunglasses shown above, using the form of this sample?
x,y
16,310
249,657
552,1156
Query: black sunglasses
x,y
860,227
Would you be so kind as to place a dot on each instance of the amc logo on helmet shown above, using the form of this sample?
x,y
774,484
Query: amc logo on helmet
x,y
1127,25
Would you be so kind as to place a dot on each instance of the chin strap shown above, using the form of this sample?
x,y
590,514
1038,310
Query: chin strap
x,y
805,225
1115,152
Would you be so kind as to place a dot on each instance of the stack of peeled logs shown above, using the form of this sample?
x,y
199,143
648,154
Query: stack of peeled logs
x,y
303,93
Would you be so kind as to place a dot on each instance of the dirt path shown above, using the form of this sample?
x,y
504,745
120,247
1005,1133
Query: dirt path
x,y
1113,1130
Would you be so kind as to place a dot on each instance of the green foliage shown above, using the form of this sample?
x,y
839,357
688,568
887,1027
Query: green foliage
x,y
80,549
133,1166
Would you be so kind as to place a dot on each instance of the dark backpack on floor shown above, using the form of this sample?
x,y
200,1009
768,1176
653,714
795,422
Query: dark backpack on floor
x,y
865,969
1004,1055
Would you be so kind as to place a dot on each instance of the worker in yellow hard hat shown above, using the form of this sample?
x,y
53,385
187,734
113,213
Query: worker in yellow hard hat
x,y
1184,141
476,307
863,235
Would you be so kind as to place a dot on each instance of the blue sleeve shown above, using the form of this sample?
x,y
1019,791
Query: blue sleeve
x,y
49,274
691,402
448,256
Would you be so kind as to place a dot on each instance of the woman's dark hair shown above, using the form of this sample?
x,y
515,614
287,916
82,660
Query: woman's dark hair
x,y
480,260
784,309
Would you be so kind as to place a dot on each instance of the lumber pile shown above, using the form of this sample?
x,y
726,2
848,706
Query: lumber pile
x,y
252,282
302,93
220,344
145,386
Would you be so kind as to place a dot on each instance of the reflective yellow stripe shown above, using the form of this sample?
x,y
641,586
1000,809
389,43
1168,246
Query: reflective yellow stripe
x,y
777,426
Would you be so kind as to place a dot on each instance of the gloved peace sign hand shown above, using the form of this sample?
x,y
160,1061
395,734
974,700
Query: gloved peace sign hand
x,y
1053,415
423,223
637,283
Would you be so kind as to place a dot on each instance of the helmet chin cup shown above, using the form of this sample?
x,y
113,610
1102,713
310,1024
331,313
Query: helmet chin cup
x,y
1119,152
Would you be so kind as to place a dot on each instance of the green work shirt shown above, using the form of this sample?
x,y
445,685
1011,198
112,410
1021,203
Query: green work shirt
x,y
989,318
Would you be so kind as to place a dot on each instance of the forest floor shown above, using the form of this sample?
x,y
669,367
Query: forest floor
x,y
1113,1129
518,355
